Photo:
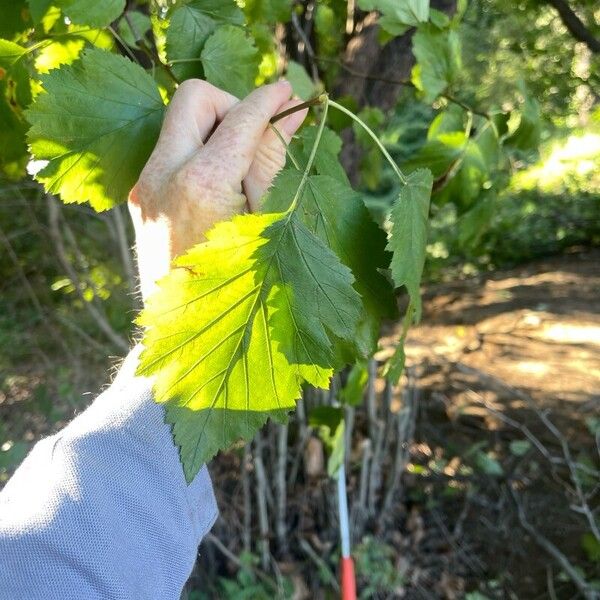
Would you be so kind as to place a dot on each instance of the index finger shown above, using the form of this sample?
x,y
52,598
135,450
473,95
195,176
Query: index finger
x,y
191,115
240,133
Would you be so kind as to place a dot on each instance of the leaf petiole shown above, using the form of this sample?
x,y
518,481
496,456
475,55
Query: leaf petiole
x,y
324,99
285,145
290,111
370,132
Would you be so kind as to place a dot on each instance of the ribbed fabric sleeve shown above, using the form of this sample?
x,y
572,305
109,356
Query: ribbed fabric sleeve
x,y
102,509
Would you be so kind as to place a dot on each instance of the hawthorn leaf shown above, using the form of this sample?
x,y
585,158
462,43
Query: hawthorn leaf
x,y
238,325
313,298
230,60
302,84
96,125
408,234
326,161
92,12
59,53
337,215
190,26
438,60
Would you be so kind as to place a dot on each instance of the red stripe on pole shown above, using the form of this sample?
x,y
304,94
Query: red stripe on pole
x,y
348,578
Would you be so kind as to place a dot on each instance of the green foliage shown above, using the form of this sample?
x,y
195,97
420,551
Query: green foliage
x,y
356,382
190,26
438,55
89,114
234,332
316,276
90,12
408,235
398,15
230,60
247,586
15,95
375,569
329,422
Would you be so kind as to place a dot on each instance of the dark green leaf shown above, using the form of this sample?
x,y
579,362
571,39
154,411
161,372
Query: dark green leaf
x,y
408,234
230,60
338,216
190,26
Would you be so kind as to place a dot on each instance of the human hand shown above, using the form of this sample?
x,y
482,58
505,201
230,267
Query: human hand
x,y
215,157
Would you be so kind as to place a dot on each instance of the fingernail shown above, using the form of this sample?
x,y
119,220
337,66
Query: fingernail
x,y
286,83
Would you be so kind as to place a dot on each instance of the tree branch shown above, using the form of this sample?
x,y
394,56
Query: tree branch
x,y
575,25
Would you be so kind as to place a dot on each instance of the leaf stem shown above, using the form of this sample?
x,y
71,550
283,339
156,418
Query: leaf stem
x,y
290,111
370,132
322,99
285,145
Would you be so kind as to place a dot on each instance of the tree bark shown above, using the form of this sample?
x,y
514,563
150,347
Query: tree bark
x,y
365,55
575,25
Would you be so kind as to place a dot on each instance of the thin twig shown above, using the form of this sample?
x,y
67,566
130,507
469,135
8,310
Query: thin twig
x,y
407,82
281,488
293,109
213,539
247,533
321,565
552,550
261,501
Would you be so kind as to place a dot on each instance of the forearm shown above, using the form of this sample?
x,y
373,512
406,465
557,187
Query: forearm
x,y
101,509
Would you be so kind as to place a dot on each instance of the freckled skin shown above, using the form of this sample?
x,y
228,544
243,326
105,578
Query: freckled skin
x,y
215,157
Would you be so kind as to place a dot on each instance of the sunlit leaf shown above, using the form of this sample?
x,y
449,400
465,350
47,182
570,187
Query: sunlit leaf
x,y
239,325
92,13
96,124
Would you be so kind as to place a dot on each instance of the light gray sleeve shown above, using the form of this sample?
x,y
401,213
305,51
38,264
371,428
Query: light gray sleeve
x,y
101,509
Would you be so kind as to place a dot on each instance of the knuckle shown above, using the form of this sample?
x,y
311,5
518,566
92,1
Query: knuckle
x,y
190,86
269,161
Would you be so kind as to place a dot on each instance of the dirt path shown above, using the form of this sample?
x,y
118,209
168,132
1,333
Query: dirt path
x,y
536,328
493,359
